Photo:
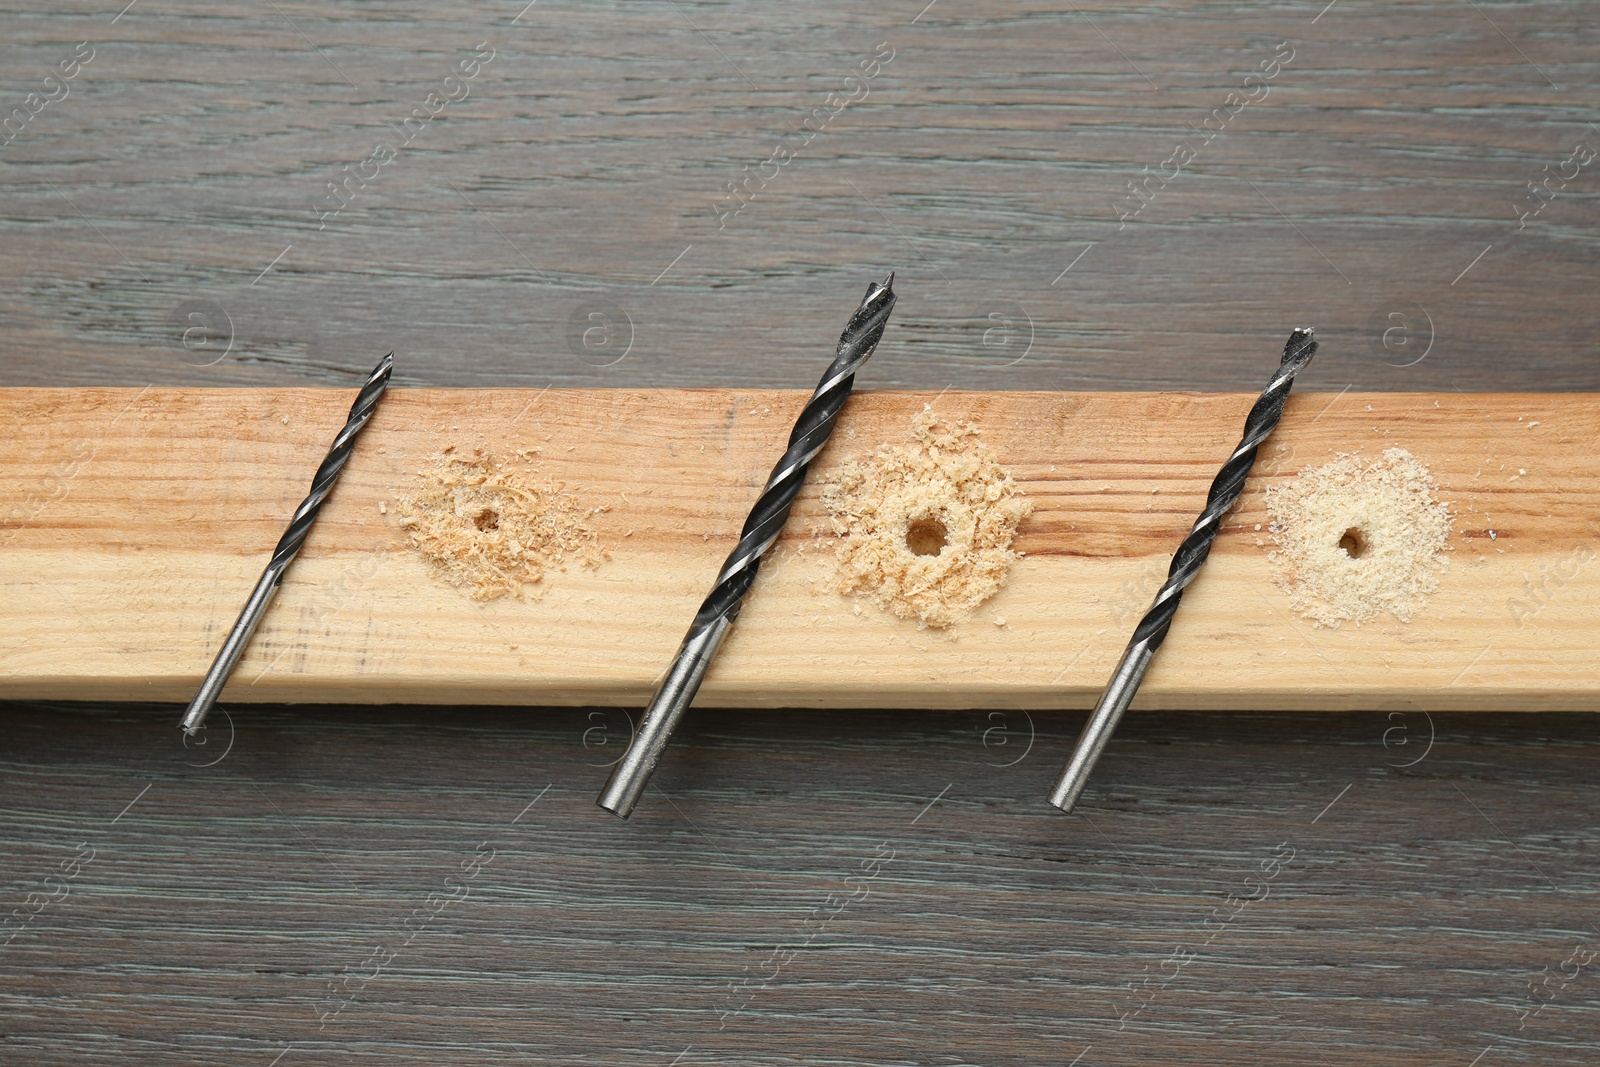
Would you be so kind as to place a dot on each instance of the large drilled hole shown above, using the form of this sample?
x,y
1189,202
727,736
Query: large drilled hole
x,y
926,537
487,519
1354,543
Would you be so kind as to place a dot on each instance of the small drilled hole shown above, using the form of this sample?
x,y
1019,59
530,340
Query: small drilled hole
x,y
1353,543
487,519
926,537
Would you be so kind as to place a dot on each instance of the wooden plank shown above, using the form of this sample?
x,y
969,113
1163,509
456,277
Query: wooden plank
x,y
137,522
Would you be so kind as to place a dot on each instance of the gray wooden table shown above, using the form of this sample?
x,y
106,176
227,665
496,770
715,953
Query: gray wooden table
x,y
685,194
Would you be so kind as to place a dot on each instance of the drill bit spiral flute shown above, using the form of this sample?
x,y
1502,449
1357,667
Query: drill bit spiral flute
x,y
288,546
1152,629
721,606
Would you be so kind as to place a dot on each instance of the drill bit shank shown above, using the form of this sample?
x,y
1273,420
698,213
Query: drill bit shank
x,y
288,546
1152,629
721,607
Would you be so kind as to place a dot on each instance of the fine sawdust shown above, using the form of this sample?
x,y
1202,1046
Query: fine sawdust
x,y
1357,540
492,528
946,487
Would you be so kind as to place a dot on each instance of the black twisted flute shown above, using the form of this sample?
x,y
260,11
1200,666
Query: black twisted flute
x,y
1152,629
721,606
288,545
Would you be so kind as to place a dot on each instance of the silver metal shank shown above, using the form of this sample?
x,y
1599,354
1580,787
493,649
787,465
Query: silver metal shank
x,y
1098,730
232,649
632,773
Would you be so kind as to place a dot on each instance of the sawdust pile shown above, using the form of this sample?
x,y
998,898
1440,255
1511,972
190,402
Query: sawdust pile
x,y
1358,540
493,529
926,531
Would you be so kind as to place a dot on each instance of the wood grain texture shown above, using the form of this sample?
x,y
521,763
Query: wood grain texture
x,y
153,510
1428,906
592,151
850,886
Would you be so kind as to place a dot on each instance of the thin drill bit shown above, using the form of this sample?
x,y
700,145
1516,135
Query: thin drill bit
x,y
721,606
288,545
1152,629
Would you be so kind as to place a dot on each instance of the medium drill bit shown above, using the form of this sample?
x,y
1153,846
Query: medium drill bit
x,y
721,606
1152,629
288,546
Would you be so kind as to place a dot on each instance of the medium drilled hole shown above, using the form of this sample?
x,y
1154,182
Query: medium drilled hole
x,y
926,537
1353,543
487,519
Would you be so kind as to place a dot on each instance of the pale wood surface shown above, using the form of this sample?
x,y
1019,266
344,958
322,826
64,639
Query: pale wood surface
x,y
143,549
1427,909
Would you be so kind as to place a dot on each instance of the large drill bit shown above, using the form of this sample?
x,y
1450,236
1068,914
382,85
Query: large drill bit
x,y
288,545
1152,629
721,607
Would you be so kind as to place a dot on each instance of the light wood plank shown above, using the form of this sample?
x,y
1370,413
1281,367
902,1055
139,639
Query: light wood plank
x,y
137,522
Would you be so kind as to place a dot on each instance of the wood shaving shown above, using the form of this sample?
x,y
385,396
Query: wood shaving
x,y
493,529
1358,540
947,485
